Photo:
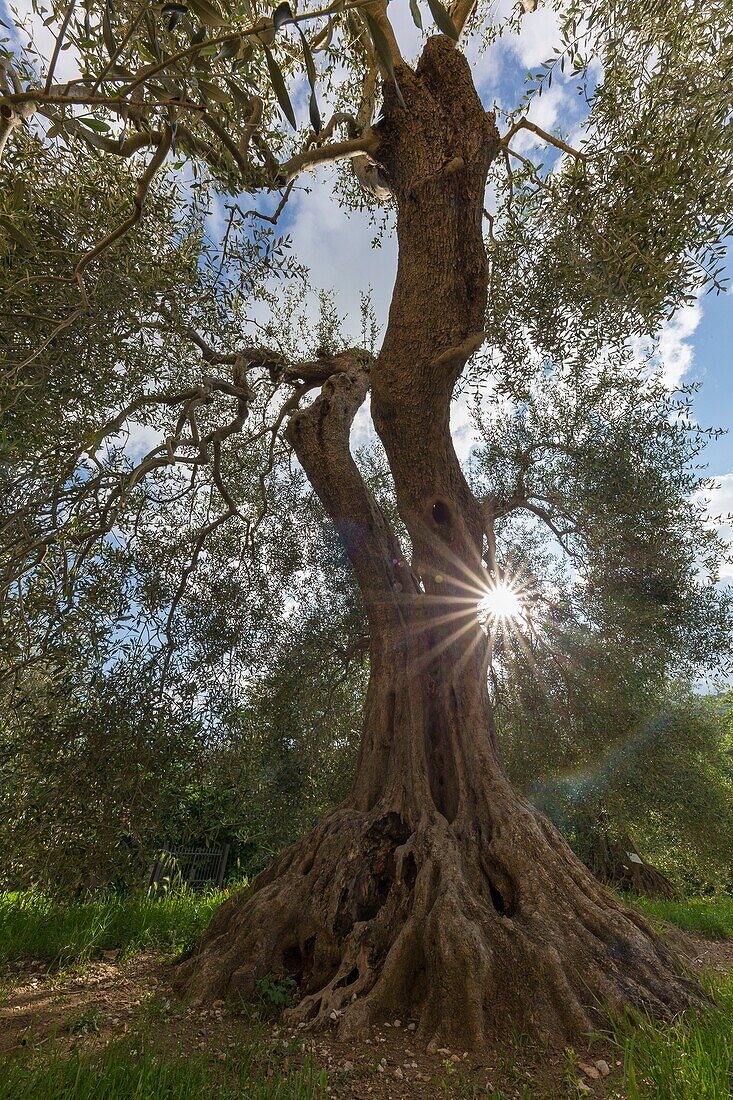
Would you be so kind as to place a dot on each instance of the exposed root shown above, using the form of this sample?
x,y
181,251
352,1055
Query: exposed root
x,y
461,932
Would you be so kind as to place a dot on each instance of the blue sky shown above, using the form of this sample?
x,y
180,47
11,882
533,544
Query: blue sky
x,y
713,359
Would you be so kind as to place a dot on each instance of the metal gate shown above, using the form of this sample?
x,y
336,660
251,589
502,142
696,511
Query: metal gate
x,y
195,868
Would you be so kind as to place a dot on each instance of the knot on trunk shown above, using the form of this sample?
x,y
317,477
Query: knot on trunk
x,y
319,370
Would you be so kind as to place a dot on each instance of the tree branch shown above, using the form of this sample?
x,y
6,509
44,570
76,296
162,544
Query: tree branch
x,y
320,437
525,124
328,154
460,12
57,46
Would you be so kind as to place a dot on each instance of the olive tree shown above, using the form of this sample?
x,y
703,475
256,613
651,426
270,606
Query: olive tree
x,y
435,888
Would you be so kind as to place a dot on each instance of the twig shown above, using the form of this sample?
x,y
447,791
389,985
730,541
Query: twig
x,y
525,124
57,46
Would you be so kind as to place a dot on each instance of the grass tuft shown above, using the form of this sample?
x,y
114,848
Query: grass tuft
x,y
707,916
689,1059
120,1072
33,926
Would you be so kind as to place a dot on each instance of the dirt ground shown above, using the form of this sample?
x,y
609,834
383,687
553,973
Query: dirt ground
x,y
112,997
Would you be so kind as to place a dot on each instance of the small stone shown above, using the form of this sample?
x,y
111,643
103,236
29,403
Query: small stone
x,y
347,1066
380,1068
398,1073
422,1077
604,1067
334,1015
397,1023
443,1050
411,1027
589,1071
583,1087
454,1058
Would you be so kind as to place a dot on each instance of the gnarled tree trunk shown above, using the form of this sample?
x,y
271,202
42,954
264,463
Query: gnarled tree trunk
x,y
435,892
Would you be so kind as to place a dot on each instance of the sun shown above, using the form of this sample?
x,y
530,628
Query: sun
x,y
500,604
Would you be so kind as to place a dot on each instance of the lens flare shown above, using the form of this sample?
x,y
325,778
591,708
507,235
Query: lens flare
x,y
500,604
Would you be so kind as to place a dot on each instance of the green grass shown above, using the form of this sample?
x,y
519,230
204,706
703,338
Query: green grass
x,y
707,916
689,1059
63,933
121,1072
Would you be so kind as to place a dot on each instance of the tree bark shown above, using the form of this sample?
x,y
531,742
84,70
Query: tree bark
x,y
435,891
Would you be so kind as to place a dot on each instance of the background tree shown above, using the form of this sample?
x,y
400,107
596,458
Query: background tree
x,y
667,786
435,888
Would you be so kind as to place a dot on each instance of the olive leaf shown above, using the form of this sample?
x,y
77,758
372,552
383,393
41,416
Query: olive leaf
x,y
211,91
278,84
207,13
443,21
152,30
95,124
229,48
107,35
381,45
265,31
16,234
313,111
283,15
240,97
120,72
18,194
415,13
175,13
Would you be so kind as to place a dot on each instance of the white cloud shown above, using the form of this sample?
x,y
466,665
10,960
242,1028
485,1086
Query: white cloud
x,y
674,353
139,440
336,246
675,350
552,110
720,504
538,37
